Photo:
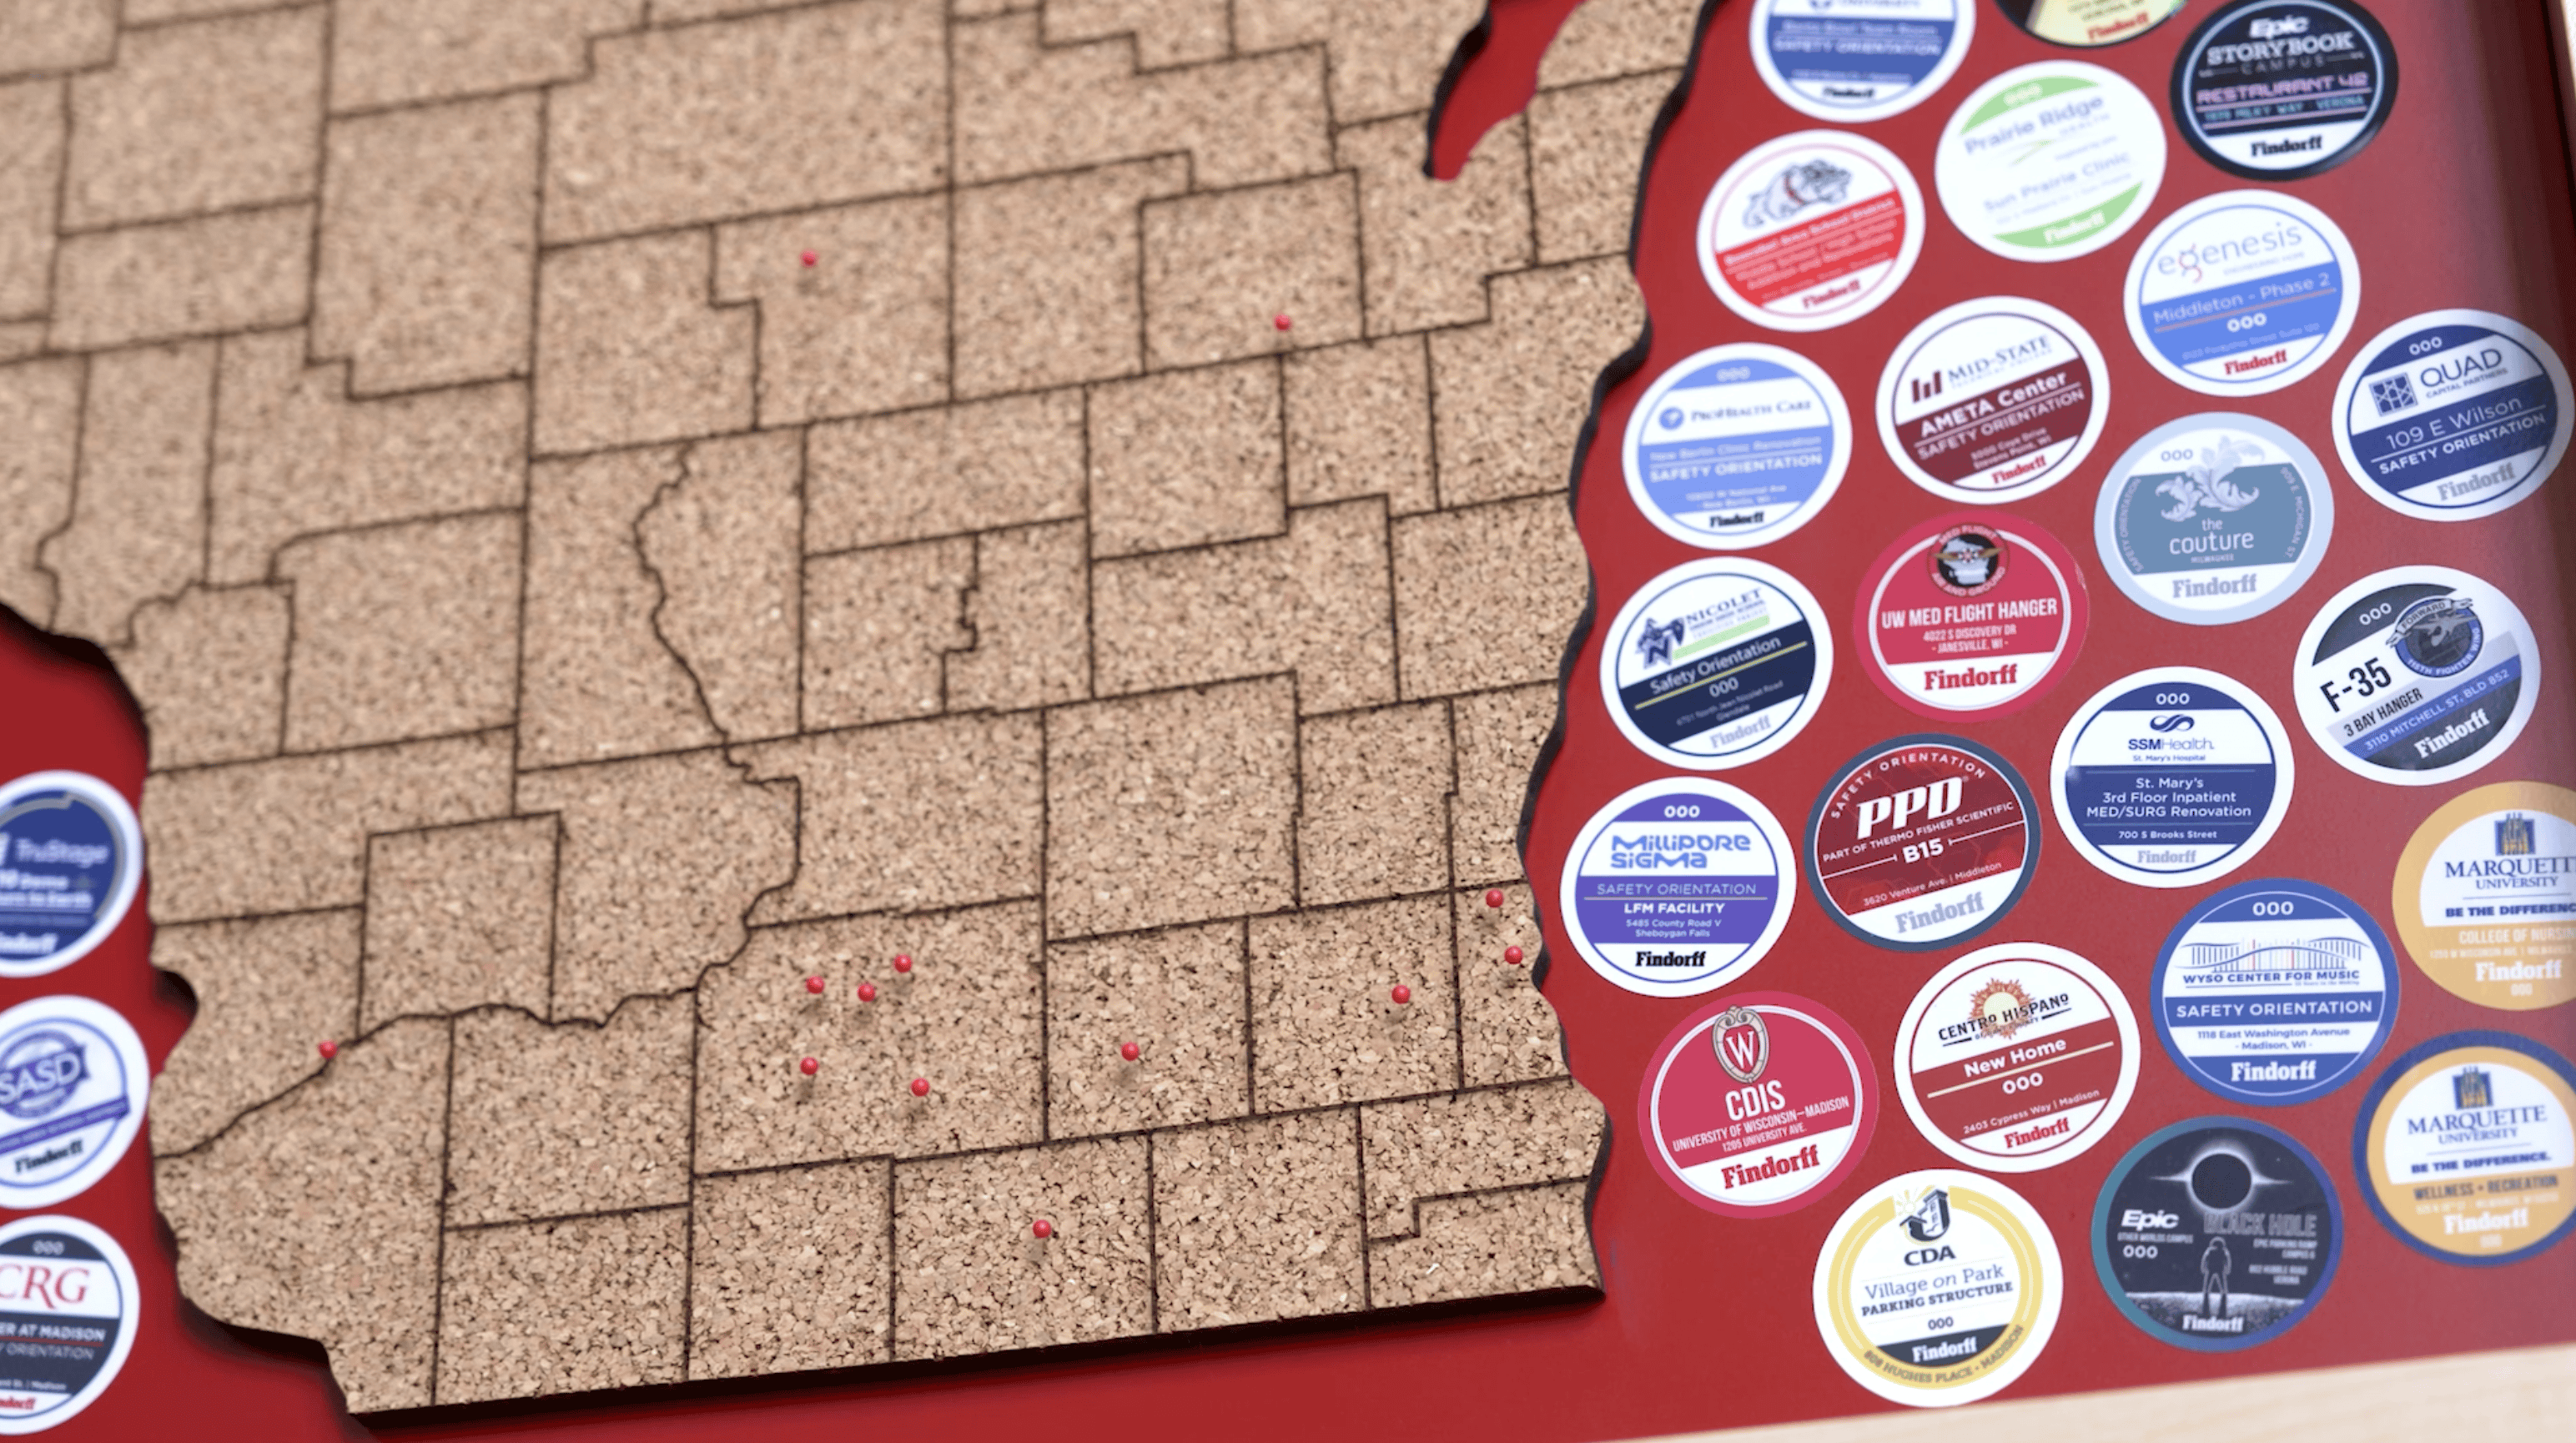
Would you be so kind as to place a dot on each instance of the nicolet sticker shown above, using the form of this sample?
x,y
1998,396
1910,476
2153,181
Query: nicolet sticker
x,y
1716,663
2017,1057
1758,1104
67,1319
2050,161
1922,841
1993,400
73,1086
2453,415
2213,518
2088,22
2418,675
2282,89
1970,615
2485,896
1825,61
2275,992
2465,1148
2172,777
1938,1288
1736,446
2217,1234
71,856
1810,230
1678,887
2242,292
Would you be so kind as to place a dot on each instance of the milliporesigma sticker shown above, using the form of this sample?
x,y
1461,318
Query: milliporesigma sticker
x,y
2050,161
2284,89
2243,292
71,857
1758,1103
2453,415
1922,841
2172,777
1678,887
1824,60
2213,518
2417,675
1992,400
1716,663
73,1088
1810,230
2274,992
68,1299
1736,446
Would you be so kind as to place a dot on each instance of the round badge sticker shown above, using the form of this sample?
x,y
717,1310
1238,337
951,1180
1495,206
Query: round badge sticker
x,y
2417,675
1678,887
1758,1104
2171,777
2213,518
1810,230
2275,992
2050,161
2217,1234
71,855
1823,60
1993,400
2017,1057
2485,897
1716,663
1922,841
1971,615
73,1085
1736,446
1938,1288
68,1294
2088,22
2281,89
2242,292
2453,415
2464,1146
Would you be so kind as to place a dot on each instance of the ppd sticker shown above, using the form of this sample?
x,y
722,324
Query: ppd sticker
x,y
2050,161
1823,60
1993,400
1938,1288
2465,1147
1678,887
2418,675
1716,663
2485,895
71,855
2217,1234
2284,89
2172,777
2275,992
1971,615
2242,292
73,1085
2213,518
2453,415
67,1306
2017,1057
1736,446
1922,841
1758,1104
2088,23
1810,230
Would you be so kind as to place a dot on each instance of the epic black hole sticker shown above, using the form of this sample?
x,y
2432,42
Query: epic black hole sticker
x,y
2217,1234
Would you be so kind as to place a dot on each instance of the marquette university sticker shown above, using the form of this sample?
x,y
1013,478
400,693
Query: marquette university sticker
x,y
67,1319
2172,777
1810,230
1824,59
2242,292
71,856
2275,992
2213,518
1922,841
2466,1147
1716,663
2485,896
1993,400
1971,615
2283,89
1758,1103
2050,161
1736,446
2017,1057
2418,675
2217,1234
1678,887
73,1086
2453,415
1938,1288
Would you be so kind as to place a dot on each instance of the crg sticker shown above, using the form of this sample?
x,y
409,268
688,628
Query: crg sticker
x,y
67,1319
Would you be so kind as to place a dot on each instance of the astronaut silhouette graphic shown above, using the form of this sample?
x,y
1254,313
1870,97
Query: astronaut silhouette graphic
x,y
2214,1264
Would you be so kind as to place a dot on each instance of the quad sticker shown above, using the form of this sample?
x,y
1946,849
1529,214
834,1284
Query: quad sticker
x,y
1970,615
71,856
2275,992
2217,1234
1810,230
2417,675
2050,161
1758,1104
73,1086
2242,292
2213,518
1938,1288
67,1315
2088,22
1736,446
1922,841
1993,400
2172,777
2283,89
1716,663
1823,60
2017,1057
2466,1144
1678,887
2485,897
2453,415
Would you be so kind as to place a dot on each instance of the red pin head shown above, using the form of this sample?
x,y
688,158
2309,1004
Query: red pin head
x,y
1042,1230
903,961
809,1067
814,985
809,259
1401,993
1494,897
921,1087
329,1049
1280,322
1130,1051
867,992
1512,955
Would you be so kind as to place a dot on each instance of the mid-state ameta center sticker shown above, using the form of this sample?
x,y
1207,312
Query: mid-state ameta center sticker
x,y
1831,60
2213,518
2275,991
1716,663
67,1319
1737,446
2242,292
2417,675
1678,887
1922,841
2017,1057
1810,230
1758,1103
2485,896
1994,399
2453,415
71,856
2172,777
1937,1288
2217,1234
1970,615
2283,89
73,1087
2466,1147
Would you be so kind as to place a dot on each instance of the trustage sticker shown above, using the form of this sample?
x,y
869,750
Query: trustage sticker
x,y
1971,615
2217,1234
2213,518
1823,60
73,1086
2466,1150
2242,292
1737,446
1810,230
2282,89
2017,1057
2275,992
67,1319
1678,887
1938,1288
2172,777
2418,675
71,855
1921,842
2088,22
1993,400
2485,897
2453,415
1758,1104
2050,161
1716,663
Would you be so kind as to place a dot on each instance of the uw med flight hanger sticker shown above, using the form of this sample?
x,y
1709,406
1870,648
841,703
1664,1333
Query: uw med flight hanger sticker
x,y
1970,615
2088,23
1992,400
1810,230
1921,842
1716,663
2275,992
2284,89
69,1291
2050,161
1826,61
2453,415
2485,895
2172,777
1758,1104
2418,675
1678,887
71,857
2217,1234
73,1088
2017,1057
2213,518
1938,1288
2242,293
2463,1147
1736,446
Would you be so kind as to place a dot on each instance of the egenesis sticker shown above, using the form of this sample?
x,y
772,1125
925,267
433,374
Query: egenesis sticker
x,y
1824,60
1970,615
2213,518
2466,1149
1810,230
2242,292
1678,887
2088,22
73,1085
1922,841
1716,663
2172,777
2281,89
2275,992
1736,446
2417,675
1938,1288
2017,1057
67,1315
2050,161
71,855
2453,415
2485,897
2217,1234
1993,400
1758,1104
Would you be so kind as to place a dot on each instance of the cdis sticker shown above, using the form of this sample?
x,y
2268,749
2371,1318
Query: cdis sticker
x,y
1992,400
1970,615
2466,1148
2453,415
1716,663
2243,292
2172,777
1758,1104
1824,60
1678,887
2217,1234
1921,841
2017,1057
1737,445
1810,230
2050,161
2417,675
2485,895
1937,1288
2213,518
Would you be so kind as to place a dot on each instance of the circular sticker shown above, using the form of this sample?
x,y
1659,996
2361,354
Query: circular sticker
x,y
1970,615
1938,1288
2217,1234
2417,675
2275,992
1823,60
2088,22
71,855
1716,663
2050,161
73,1087
2171,777
2453,415
2283,89
2017,1057
68,1298
2242,292
1993,400
1922,841
1758,1104
2485,897
1810,230
2464,1144
1678,887
1736,446
2213,518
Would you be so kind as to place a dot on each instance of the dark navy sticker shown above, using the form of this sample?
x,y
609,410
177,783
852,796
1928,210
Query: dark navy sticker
x,y
1826,59
71,856
2213,518
73,1087
2242,292
2453,415
1922,842
2171,777
1736,446
2217,1234
1716,663
1678,886
67,1319
2281,89
2275,992
2417,675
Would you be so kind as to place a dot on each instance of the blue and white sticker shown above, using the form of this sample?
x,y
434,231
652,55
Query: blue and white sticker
x,y
2417,675
1716,663
2172,777
68,1304
2243,292
2213,518
1737,446
1823,58
2453,415
2275,992
71,856
2217,1234
1678,887
73,1087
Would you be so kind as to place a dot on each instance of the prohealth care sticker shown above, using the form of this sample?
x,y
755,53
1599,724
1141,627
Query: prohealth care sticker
x,y
2017,1057
2217,1234
2453,415
1921,842
1938,1288
71,857
2275,992
1678,887
1823,59
2485,896
1971,615
2418,675
68,1291
1810,230
1737,446
2089,23
2466,1148
2242,292
1993,400
2172,777
2050,161
2284,89
1758,1104
1716,663
73,1087
2213,518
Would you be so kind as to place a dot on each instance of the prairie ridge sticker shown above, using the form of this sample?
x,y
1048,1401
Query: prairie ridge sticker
x,y
1678,887
2417,675
1807,231
2453,415
2217,1234
2017,1057
1736,446
2466,1148
1758,1103
1992,400
1921,842
2172,777
2213,518
2274,992
71,857
1823,60
68,1301
2050,161
2242,293
1937,1288
1970,615
2485,895
1716,663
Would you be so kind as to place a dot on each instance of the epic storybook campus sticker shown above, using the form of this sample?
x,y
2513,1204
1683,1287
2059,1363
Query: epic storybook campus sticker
x,y
67,1319
2485,895
1826,59
2017,1057
2466,1147
1758,1103
2213,518
1922,841
2172,777
1678,887
1992,400
1971,615
2275,992
2217,1234
2284,89
2417,675
71,856
1716,663
1810,230
1937,1288
1736,446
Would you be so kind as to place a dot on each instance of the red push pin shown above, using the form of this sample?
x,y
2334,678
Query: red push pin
x,y
809,1067
1401,993
814,985
1042,1230
903,962
867,992
1512,955
921,1087
1494,897
809,259
1280,322
1130,1051
329,1049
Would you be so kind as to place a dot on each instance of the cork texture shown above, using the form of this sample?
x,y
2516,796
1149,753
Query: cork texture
x,y
789,1270
974,1276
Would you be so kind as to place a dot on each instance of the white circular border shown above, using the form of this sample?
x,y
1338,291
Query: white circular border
x,y
2506,735
2236,691
2124,1016
2052,1278
130,833
1941,320
1835,465
1689,571
2511,330
2345,313
1962,34
1733,795
138,1094
1863,1125
2110,80
127,1322
2106,546
1907,251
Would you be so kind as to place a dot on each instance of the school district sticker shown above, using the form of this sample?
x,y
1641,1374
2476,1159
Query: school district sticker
x,y
67,1318
1823,60
2242,292
2283,89
73,1085
2217,1234
2172,777
1678,887
71,855
1970,615
2213,518
2017,1057
2466,1149
1938,1288
1993,400
1810,230
1716,663
1758,1104
2050,161
2275,992
1737,446
2485,896
2417,675
1922,841
2453,415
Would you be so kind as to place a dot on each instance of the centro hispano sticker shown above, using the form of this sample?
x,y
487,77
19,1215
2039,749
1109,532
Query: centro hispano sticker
x,y
1716,663
73,1087
2465,1146
1922,841
2050,161
71,856
2088,22
2284,89
1758,1104
2217,1234
1970,615
1937,1288
2242,292
2417,675
1825,60
1678,887
2017,1057
2213,518
2453,415
1993,400
2485,895
1810,230
2274,992
2172,777
67,1319
1738,445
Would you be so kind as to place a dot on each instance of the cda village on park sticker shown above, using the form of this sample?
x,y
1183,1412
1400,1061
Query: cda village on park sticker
x,y
2418,675
2275,992
1758,1103
1736,446
2453,415
1833,61
1970,615
2172,777
2464,1148
67,1319
73,1087
1810,230
2242,293
1992,400
1937,1288
71,857
2485,895
2017,1057
1716,663
2217,1234
1922,841
1678,887
2050,161
2213,518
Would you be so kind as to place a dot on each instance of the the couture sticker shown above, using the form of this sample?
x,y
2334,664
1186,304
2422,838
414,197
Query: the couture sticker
x,y
73,1087
2274,992
2213,518
2050,161
2485,895
1922,842
1938,1288
2088,23
1810,230
71,856
1678,887
1758,1104
2465,1148
2283,89
1736,446
2217,1234
1824,60
1993,400
1716,663
2172,777
2453,415
2242,292
1970,615
2017,1057
68,1300
2417,675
